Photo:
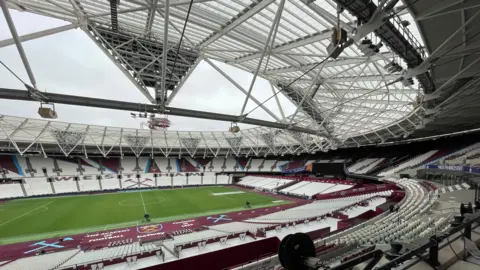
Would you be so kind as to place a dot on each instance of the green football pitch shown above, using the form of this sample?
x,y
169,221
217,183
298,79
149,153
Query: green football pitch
x,y
37,218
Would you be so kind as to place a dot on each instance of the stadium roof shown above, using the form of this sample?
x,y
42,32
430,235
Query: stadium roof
x,y
354,99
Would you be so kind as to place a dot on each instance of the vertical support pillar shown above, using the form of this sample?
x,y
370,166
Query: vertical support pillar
x,y
56,169
31,171
120,181
77,183
51,183
23,189
99,178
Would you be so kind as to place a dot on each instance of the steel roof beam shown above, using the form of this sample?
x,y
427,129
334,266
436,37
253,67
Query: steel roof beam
x,y
245,15
130,106
39,34
330,63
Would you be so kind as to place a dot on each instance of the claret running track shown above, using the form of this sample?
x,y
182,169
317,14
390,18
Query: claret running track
x,y
38,218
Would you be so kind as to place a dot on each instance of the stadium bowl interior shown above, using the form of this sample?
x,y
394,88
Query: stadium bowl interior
x,y
249,134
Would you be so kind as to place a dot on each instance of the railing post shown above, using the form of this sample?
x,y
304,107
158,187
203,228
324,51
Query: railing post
x,y
433,252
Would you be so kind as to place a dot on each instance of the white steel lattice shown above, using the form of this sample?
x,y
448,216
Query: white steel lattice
x,y
67,140
137,143
235,143
190,144
353,95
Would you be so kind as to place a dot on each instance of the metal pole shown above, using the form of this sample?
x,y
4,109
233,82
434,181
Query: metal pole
x,y
165,54
15,37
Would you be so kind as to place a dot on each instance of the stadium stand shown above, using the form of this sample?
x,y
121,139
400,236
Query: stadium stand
x,y
242,163
267,165
194,180
162,163
408,164
65,186
46,261
110,182
110,165
230,164
223,179
129,164
217,164
11,167
92,167
37,186
208,178
67,166
11,190
186,166
180,180
42,166
89,185
255,164
144,164
164,181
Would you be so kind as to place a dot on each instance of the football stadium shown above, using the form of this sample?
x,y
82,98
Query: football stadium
x,y
240,134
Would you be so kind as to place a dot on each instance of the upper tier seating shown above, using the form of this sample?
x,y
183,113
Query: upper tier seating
x,y
217,164
230,164
360,164
11,166
68,166
255,164
408,164
162,163
129,164
267,165
370,166
40,163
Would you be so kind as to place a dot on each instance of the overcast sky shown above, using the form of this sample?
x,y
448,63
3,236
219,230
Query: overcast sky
x,y
70,63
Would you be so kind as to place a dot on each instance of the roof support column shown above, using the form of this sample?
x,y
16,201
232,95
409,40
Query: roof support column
x,y
18,42
160,96
276,20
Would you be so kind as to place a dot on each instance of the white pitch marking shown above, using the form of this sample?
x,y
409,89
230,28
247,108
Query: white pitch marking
x,y
26,213
144,207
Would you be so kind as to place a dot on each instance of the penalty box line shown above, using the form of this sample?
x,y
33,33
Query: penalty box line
x,y
25,213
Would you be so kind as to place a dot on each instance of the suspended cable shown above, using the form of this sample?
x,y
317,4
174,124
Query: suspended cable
x,y
179,45
13,73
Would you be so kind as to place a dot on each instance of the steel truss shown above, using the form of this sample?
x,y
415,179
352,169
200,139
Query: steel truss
x,y
276,40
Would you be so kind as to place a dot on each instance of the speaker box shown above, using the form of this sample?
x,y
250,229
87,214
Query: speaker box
x,y
47,113
75,178
155,175
119,176
171,174
138,175
201,174
44,170
99,177
50,179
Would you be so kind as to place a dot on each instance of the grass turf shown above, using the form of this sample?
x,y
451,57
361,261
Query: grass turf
x,y
32,219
